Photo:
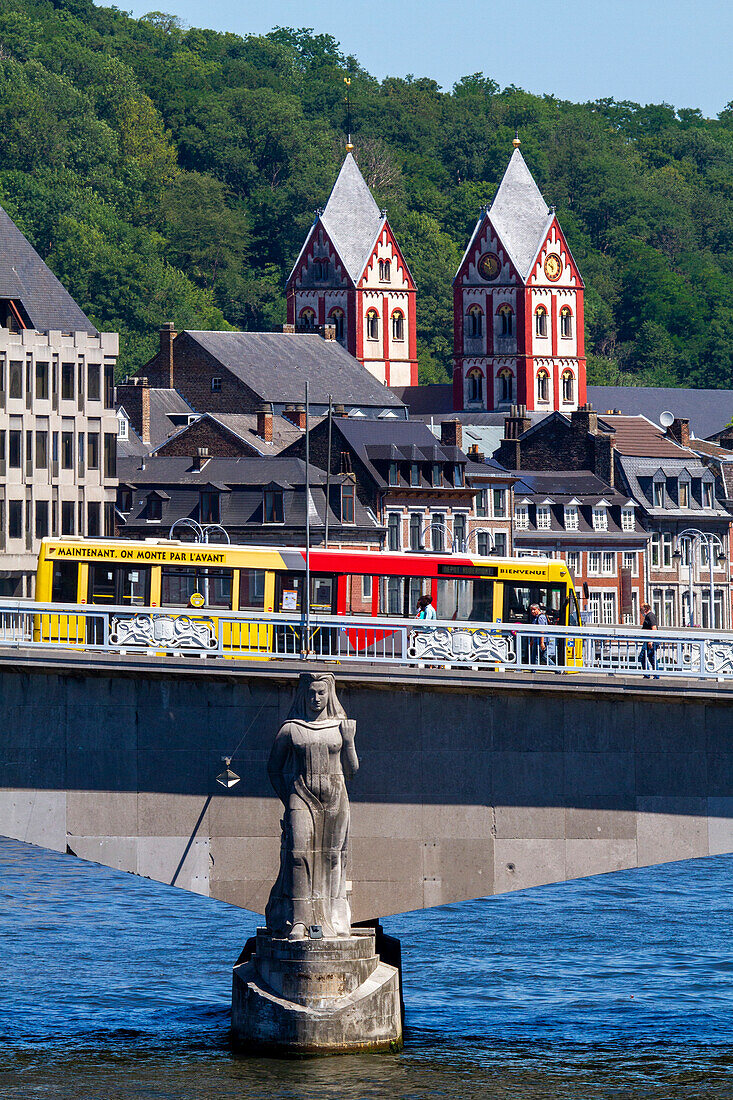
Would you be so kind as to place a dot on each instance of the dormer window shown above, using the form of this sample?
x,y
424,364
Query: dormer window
x,y
437,476
393,476
124,499
600,518
571,517
658,494
122,426
684,494
154,509
707,495
348,496
414,475
273,506
459,479
209,511
627,519
521,516
544,517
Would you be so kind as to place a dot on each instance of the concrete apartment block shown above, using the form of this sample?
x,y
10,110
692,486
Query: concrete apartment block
x,y
58,431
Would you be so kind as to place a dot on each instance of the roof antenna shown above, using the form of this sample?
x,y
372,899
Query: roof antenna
x,y
349,146
516,143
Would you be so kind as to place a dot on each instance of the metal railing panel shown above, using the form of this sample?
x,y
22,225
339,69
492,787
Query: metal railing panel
x,y
667,654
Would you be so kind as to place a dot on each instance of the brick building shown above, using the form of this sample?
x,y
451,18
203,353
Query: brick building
x,y
260,501
236,435
58,425
236,372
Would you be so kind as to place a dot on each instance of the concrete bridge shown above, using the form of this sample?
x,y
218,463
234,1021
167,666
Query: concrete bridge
x,y
471,783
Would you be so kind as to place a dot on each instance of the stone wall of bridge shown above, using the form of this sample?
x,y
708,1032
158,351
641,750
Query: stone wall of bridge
x,y
469,785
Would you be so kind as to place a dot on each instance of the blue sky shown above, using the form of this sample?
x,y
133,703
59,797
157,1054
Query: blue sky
x,y
650,51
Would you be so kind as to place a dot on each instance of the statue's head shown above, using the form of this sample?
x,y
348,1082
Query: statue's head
x,y
315,697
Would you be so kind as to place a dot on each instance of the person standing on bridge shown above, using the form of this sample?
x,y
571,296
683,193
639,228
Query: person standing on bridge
x,y
537,645
647,653
425,609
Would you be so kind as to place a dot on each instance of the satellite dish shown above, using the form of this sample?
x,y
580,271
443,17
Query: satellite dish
x,y
666,419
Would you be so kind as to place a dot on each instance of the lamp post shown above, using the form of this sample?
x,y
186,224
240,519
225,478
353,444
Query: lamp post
x,y
201,532
694,539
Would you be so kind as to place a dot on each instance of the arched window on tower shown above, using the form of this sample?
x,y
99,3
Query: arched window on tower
x,y
398,325
543,386
506,320
320,270
540,321
385,270
568,386
337,320
307,320
372,324
475,322
566,322
507,385
475,385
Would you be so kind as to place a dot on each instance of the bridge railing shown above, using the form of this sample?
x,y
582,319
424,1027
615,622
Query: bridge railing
x,y
399,642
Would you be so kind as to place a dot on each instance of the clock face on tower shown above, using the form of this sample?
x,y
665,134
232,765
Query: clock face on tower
x,y
489,266
553,267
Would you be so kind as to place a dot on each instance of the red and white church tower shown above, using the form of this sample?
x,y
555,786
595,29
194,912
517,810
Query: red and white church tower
x,y
351,274
518,306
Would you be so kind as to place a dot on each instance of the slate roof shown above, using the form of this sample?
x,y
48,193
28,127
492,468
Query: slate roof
x,y
276,366
519,214
352,218
394,440
707,410
638,473
241,481
562,486
169,411
24,276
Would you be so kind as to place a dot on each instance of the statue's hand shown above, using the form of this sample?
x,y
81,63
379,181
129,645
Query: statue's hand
x,y
348,730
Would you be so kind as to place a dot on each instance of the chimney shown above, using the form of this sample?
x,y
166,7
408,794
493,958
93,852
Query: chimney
x,y
328,332
585,418
134,395
679,430
517,423
475,454
451,433
289,330
339,410
264,422
167,336
296,415
202,457
603,461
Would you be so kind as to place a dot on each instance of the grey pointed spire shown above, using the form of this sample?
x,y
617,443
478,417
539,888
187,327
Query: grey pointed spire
x,y
519,214
352,218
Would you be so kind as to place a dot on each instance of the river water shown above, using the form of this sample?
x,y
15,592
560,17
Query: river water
x,y
116,988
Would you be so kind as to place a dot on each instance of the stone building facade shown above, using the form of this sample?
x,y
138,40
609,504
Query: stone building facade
x,y
58,435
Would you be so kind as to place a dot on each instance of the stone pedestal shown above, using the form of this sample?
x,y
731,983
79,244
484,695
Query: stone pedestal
x,y
327,996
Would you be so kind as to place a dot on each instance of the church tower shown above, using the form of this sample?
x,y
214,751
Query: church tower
x,y
351,274
518,306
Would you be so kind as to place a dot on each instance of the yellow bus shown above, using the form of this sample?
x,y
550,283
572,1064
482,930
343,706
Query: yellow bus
x,y
215,581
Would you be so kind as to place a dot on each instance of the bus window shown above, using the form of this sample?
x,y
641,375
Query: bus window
x,y
391,595
251,589
322,594
119,584
179,585
288,592
573,613
466,599
64,584
518,598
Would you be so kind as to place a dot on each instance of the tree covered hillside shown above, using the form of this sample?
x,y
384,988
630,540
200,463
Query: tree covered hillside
x,y
168,173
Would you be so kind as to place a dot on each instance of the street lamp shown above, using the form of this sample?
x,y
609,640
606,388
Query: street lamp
x,y
201,532
694,539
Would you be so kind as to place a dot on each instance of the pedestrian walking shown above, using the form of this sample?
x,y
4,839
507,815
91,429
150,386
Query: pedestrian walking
x,y
537,645
648,651
425,609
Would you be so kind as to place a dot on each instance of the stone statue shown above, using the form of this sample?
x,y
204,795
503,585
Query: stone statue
x,y
312,757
